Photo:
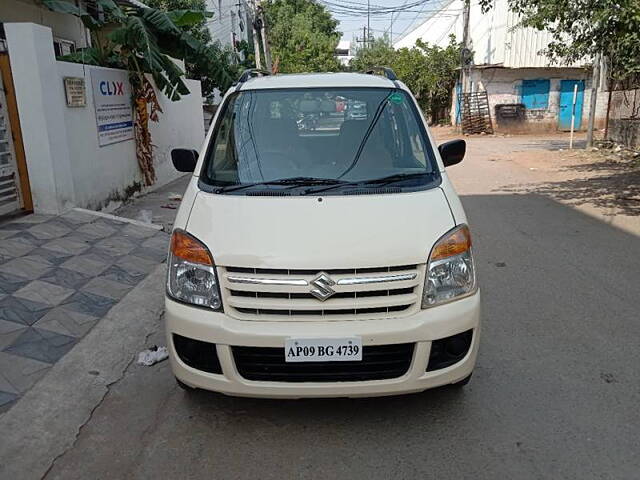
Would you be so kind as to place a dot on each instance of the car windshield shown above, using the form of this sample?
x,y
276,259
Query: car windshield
x,y
339,137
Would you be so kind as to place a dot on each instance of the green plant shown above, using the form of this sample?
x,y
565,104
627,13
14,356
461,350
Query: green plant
x,y
429,71
214,66
302,36
143,41
378,52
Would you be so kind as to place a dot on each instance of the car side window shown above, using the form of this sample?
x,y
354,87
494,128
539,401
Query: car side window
x,y
406,133
223,166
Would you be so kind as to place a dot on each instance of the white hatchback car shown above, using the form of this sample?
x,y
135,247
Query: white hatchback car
x,y
326,261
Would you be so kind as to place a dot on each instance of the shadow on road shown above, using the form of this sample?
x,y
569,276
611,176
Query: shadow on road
x,y
554,394
552,144
334,410
617,192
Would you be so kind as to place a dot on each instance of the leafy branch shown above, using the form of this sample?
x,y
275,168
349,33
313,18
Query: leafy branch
x,y
142,41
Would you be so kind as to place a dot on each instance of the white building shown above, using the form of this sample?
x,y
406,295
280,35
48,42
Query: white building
x,y
231,22
68,31
343,52
230,25
508,64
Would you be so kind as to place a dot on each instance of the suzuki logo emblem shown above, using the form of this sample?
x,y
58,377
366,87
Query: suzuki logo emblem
x,y
322,284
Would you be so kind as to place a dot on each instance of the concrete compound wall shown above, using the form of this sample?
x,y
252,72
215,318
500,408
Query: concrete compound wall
x,y
99,173
66,165
625,103
180,126
624,120
504,86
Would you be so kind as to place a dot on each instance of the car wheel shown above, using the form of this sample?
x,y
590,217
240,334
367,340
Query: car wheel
x,y
462,382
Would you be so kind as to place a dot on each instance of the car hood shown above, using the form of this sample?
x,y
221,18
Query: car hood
x,y
311,232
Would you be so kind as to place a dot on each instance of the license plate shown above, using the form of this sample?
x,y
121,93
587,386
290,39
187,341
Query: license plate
x,y
323,349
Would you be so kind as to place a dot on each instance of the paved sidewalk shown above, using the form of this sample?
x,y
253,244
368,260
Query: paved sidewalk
x,y
59,275
158,206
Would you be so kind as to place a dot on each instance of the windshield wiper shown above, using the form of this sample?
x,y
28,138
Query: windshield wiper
x,y
395,178
294,181
375,181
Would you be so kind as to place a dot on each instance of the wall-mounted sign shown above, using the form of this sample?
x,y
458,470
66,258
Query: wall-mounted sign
x,y
112,101
74,90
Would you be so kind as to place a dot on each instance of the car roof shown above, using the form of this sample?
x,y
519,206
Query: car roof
x,y
316,80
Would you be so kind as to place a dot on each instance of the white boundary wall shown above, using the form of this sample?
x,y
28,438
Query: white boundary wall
x,y
67,168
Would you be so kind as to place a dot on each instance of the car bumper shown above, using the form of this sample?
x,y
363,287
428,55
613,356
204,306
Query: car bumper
x,y
421,329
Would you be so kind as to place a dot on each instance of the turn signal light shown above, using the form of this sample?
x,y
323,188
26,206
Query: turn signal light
x,y
186,247
450,270
457,242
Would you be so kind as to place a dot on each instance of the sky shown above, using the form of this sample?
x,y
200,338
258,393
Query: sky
x,y
403,21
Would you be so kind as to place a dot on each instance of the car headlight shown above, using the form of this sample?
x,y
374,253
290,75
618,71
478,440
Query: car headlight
x,y
191,276
450,272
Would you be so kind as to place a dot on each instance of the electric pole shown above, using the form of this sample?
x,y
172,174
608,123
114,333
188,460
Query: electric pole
x,y
256,43
364,37
594,99
240,23
464,56
368,21
265,41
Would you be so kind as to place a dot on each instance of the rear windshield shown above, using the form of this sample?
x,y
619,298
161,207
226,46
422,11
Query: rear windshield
x,y
331,139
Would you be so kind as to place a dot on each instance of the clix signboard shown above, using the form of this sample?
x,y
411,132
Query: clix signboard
x,y
112,101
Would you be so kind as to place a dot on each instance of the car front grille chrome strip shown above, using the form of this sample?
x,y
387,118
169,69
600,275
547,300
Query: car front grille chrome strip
x,y
267,281
371,280
303,283
272,294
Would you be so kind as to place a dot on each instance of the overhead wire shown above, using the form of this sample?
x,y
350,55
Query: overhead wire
x,y
390,28
410,25
351,8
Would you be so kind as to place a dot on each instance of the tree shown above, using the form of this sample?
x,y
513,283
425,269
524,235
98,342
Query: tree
x,y
440,73
302,36
220,66
581,30
428,70
198,29
379,52
142,41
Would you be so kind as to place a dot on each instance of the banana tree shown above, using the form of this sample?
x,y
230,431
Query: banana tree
x,y
143,41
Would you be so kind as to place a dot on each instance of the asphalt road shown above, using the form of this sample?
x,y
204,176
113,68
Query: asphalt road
x,y
555,393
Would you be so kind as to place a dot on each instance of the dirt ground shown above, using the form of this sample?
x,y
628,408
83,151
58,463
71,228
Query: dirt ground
x,y
604,180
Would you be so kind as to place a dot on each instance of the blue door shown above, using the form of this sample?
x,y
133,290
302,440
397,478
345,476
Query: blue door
x,y
535,94
566,104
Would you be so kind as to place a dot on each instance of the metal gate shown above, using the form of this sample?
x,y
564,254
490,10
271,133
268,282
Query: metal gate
x,y
10,199
476,117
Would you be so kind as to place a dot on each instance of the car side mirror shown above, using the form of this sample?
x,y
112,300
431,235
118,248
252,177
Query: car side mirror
x,y
184,160
452,152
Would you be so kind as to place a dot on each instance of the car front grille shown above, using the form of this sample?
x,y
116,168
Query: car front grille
x,y
378,362
292,294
